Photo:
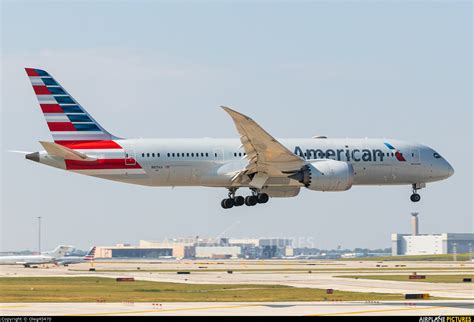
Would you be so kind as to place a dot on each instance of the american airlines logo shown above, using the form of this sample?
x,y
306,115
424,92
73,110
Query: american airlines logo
x,y
356,155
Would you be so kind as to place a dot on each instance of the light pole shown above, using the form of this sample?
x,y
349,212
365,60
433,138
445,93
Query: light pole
x,y
39,235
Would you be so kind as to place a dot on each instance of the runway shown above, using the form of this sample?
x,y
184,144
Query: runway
x,y
311,274
457,298
353,308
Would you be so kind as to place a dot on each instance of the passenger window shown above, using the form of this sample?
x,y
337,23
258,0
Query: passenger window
x,y
148,155
207,154
168,155
192,154
143,155
158,155
202,154
187,154
172,154
215,154
153,155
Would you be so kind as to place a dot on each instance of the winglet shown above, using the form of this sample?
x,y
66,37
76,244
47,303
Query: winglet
x,y
234,114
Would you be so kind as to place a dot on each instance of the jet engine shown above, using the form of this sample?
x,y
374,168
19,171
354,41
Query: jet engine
x,y
326,175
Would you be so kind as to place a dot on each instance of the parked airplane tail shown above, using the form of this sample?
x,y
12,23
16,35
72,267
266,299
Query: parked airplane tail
x,y
67,120
59,251
90,255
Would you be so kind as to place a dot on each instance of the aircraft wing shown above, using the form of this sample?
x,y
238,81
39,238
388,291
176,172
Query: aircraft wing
x,y
267,157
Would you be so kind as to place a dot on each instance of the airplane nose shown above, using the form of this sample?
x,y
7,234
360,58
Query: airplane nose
x,y
448,170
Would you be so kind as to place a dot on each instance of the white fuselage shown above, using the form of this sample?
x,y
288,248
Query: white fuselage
x,y
213,162
26,260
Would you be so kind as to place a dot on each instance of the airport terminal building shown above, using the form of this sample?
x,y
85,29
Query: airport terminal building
x,y
211,248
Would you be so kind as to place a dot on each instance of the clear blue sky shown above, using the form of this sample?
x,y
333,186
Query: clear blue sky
x,y
161,69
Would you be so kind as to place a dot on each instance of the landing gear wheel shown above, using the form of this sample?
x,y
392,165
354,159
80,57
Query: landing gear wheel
x,y
415,197
262,198
251,200
227,203
239,201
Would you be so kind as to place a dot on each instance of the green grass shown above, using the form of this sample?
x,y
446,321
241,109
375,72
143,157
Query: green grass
x,y
91,289
428,279
448,257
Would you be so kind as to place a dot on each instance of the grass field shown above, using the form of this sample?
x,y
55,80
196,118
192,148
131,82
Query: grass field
x,y
428,279
447,257
92,289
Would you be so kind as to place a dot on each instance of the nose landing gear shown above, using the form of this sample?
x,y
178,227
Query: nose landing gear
x,y
415,197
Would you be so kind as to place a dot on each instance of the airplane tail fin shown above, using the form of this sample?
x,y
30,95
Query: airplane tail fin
x,y
90,255
59,251
67,120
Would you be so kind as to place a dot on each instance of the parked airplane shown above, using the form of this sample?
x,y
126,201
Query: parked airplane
x,y
269,167
29,260
67,260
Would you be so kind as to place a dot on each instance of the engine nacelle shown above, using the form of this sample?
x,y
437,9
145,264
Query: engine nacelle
x,y
326,175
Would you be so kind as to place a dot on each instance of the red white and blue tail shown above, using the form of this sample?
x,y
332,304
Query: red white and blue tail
x,y
90,255
67,120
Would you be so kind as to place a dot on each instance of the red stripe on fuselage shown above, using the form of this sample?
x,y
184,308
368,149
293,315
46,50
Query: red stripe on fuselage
x,y
51,108
41,90
86,145
61,126
101,164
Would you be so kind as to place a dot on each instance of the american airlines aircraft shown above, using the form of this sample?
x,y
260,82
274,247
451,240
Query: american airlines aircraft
x,y
267,166
67,260
44,258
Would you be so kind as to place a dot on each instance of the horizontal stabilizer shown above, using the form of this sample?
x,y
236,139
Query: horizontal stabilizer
x,y
65,153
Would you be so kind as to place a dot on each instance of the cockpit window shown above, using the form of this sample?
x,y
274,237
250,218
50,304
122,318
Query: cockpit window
x,y
436,155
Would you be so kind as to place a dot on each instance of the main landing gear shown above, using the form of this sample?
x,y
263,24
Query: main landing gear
x,y
415,197
237,201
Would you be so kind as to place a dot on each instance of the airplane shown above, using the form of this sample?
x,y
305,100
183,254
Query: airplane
x,y
30,260
67,260
267,166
